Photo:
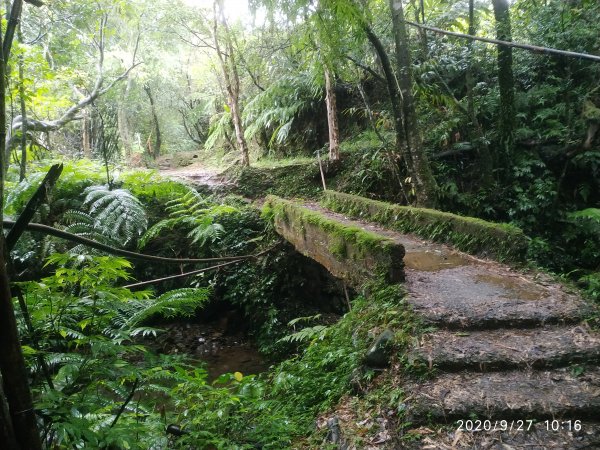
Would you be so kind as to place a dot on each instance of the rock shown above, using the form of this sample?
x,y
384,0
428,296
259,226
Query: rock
x,y
335,433
378,354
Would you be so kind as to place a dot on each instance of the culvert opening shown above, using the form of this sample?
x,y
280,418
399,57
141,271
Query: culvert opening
x,y
238,330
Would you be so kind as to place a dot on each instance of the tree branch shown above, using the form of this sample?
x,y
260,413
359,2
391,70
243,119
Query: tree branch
x,y
366,69
45,126
533,48
45,229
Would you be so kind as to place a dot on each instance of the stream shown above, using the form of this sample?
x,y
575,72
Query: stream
x,y
212,343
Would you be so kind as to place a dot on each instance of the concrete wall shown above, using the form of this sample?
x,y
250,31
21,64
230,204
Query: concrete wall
x,y
346,251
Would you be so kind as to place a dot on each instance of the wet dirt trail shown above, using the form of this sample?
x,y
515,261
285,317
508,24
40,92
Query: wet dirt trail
x,y
197,175
511,352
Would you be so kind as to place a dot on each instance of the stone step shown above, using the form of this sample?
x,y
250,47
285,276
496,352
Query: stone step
x,y
520,395
487,296
509,348
553,434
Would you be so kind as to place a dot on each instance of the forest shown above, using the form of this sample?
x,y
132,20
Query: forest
x,y
156,157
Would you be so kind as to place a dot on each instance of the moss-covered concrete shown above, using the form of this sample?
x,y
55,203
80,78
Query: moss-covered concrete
x,y
502,242
348,252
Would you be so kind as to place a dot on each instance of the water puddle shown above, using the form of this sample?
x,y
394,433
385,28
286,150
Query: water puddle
x,y
433,260
242,358
514,288
211,343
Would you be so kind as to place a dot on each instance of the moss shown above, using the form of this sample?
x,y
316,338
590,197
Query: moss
x,y
290,212
500,241
362,253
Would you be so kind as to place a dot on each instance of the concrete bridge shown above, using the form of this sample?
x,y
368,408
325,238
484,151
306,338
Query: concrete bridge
x,y
358,239
505,341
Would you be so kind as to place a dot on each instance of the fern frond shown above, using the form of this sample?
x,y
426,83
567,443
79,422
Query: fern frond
x,y
116,213
178,303
191,212
204,233
309,334
587,214
156,229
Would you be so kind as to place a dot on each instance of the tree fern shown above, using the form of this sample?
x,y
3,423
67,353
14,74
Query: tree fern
x,y
275,109
193,213
115,217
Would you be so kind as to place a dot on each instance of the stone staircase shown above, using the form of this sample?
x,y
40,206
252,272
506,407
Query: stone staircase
x,y
514,364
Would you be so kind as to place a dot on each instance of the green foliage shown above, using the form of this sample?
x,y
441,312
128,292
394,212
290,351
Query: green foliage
x,y
591,214
220,128
591,284
18,194
305,335
195,214
84,327
172,304
149,186
115,217
275,109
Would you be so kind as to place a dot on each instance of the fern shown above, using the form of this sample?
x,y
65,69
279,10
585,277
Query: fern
x,y
219,128
309,334
20,193
178,303
114,218
193,213
275,109
587,214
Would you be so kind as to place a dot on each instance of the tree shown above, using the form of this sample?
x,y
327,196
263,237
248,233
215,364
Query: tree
x,y
505,76
425,184
12,364
100,87
229,70
153,150
485,157
332,121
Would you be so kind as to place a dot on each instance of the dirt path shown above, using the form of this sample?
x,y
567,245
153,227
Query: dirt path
x,y
511,352
196,174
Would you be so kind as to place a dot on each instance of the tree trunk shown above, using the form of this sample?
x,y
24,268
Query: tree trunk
x,y
424,182
7,435
23,168
332,121
485,157
232,81
123,120
394,95
505,76
86,140
155,153
12,363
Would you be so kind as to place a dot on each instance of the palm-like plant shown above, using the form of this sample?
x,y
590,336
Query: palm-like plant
x,y
193,213
114,217
275,109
